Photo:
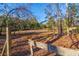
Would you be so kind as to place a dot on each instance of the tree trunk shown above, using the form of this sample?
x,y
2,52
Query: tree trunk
x,y
0,30
8,41
60,29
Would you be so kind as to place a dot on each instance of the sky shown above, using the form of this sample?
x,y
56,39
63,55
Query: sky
x,y
37,9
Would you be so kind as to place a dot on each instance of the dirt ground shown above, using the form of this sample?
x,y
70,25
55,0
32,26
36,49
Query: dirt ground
x,y
19,44
42,36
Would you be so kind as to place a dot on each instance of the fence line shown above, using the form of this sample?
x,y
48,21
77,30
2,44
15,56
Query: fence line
x,y
59,50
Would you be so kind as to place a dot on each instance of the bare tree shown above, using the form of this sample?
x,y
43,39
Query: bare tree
x,y
20,12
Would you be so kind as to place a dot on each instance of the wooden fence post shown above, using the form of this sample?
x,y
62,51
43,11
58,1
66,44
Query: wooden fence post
x,y
31,46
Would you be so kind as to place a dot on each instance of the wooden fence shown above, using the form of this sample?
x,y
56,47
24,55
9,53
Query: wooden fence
x,y
59,50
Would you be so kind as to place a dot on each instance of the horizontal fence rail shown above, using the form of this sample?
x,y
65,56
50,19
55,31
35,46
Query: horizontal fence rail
x,y
59,50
